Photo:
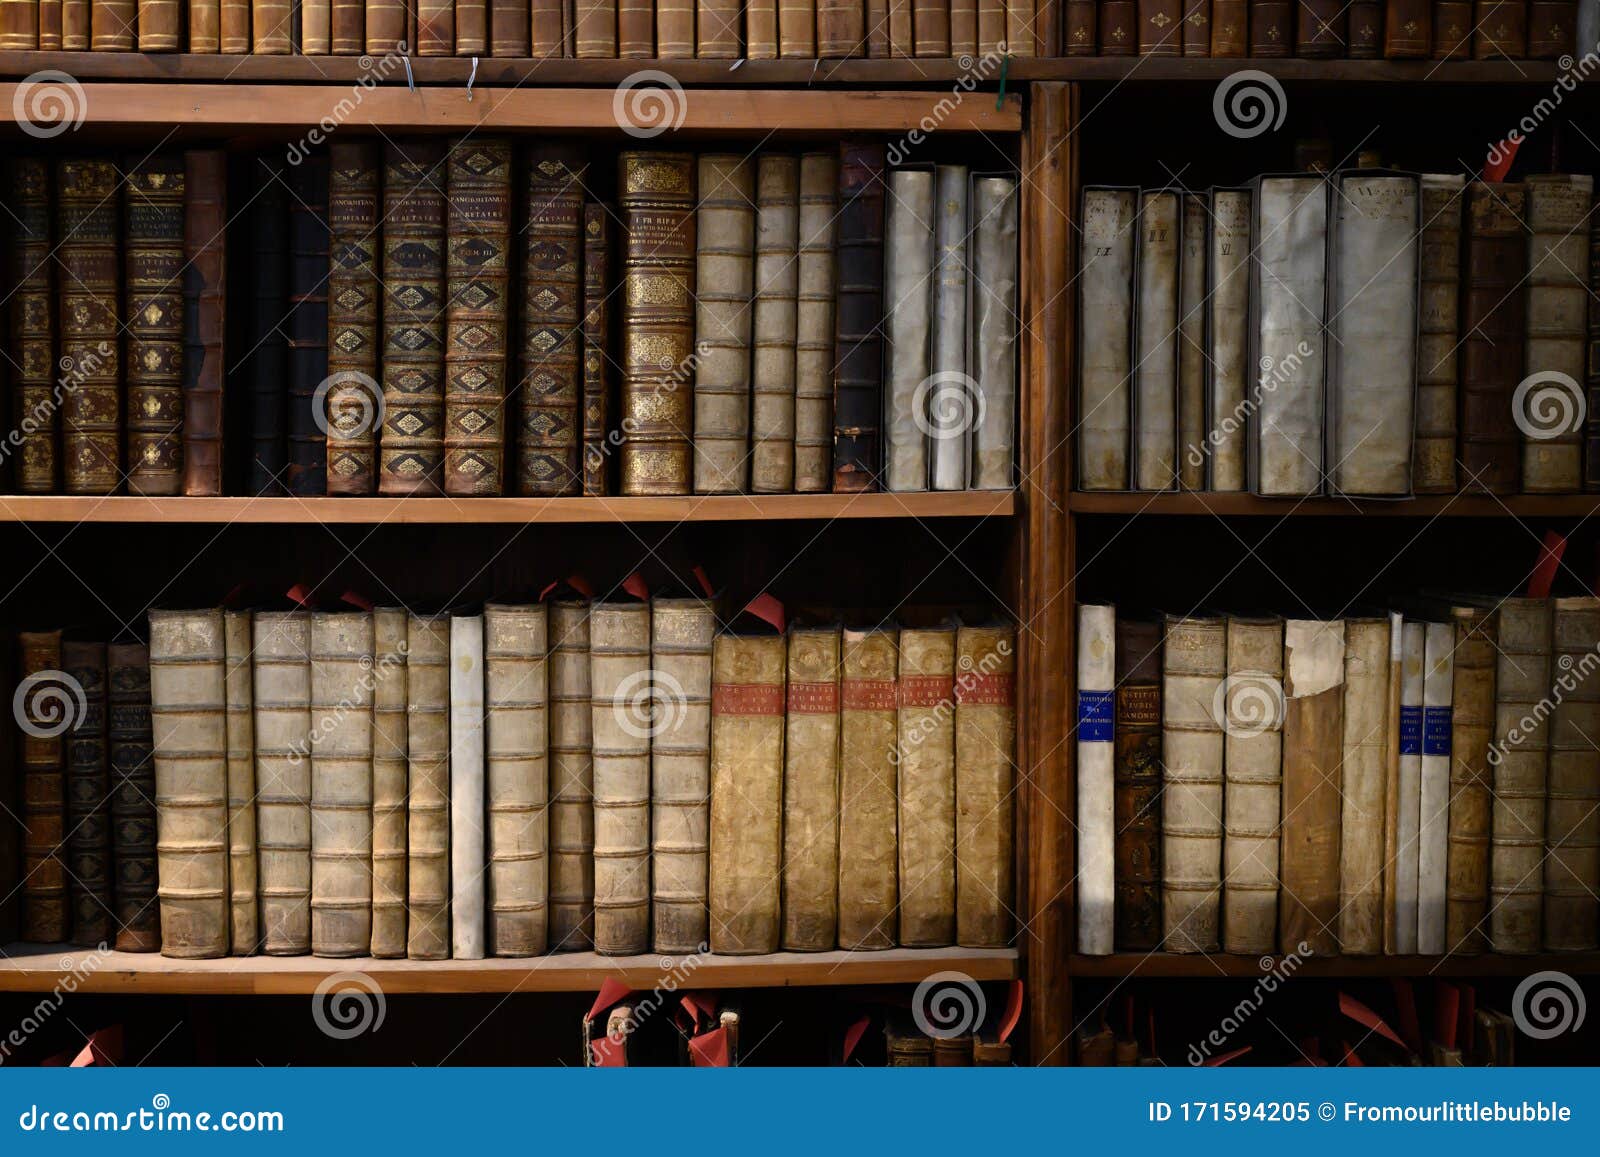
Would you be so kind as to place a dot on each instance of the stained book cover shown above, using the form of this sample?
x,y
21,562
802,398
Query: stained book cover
x,y
811,791
133,793
868,789
153,263
620,690
516,645
307,325
681,634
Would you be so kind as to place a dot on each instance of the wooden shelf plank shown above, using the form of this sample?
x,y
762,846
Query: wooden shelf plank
x,y
466,511
39,968
1423,506
1219,966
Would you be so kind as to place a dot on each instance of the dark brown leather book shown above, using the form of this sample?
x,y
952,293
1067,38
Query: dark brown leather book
x,y
265,364
271,26
1365,25
347,28
205,212
75,25
1160,27
858,289
1320,28
1230,28
508,27
1452,29
87,302
113,24
477,285
1119,28
19,25
675,29
205,26
596,359
1472,727
386,25
1197,27
594,28
235,29
1313,747
797,26
32,324
472,27
411,444
548,430
49,25
353,294
930,27
548,33
43,707
1499,29
1271,28
1493,334
636,29
436,27
159,25
153,279
1137,773
1081,36
307,325
841,28
88,796
761,29
1552,28
657,321
717,31
133,799
1408,29
1591,455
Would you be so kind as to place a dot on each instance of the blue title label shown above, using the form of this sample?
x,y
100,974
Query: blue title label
x,y
1411,730
1094,716
1436,731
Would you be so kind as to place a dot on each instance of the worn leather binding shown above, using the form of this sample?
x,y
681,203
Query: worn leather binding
x,y
1105,310
797,29
1452,29
1020,31
1557,304
1407,30
1493,324
385,26
1192,342
88,305
152,276
1313,742
1118,27
681,634
1321,28
282,703
316,26
1572,816
1517,820
472,27
1472,730
46,914
1136,775
341,783
1197,27
1194,666
858,360
1155,341
717,29
1361,848
548,431
467,925
595,28
657,321
986,731
725,239
1591,453
927,784
19,25
747,723
1080,33
307,324
112,24
1551,28
1160,27
596,360
1365,25
1271,28
621,690
436,27
1253,760
244,914
32,323
515,646
347,28
205,210
636,33
353,293
389,748
930,27
571,779
428,801
548,29
88,788
1433,469
50,25
272,27
777,283
411,445
205,26
1096,793
477,286
841,28
811,791
908,295
267,354
508,27
675,29
906,1046
133,793
1499,29
814,322
1230,28
868,789
234,36
190,726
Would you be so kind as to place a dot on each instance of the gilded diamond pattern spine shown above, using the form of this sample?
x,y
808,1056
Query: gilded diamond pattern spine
x,y
353,290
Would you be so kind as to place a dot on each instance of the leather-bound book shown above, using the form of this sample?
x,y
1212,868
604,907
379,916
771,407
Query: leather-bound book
x,y
1551,28
1493,328
1160,27
74,25
152,276
747,724
1080,30
354,245
32,315
282,699
411,446
88,786
717,29
19,25
1155,342
675,29
436,28
472,27
341,784
841,28
952,435
595,28
467,924
267,355
1365,29
900,28
133,794
571,779
307,324
1433,469
1192,343
1253,759
271,27
244,911
1452,29
516,643
1313,744
389,646
1361,837
681,634
813,349
1228,336
548,429
906,1047
235,27
205,210
1321,28
597,244
1433,807
658,288
930,27
1119,27
1499,29
927,782
1197,27
1405,842
190,728
1136,782
1271,28
112,24
989,1052
1517,821
797,29
44,705
621,690
1105,310
50,24
1230,28
385,26
477,285
868,789
986,746
1572,816
347,27
316,26
428,801
1096,780
1194,665
725,239
508,27
775,313
811,791
858,360
1591,452
1020,31
88,303
636,33
761,29
1471,733
205,28
1557,312
1407,30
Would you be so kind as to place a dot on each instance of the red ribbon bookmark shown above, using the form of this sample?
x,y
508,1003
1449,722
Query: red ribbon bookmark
x,y
768,609
1544,571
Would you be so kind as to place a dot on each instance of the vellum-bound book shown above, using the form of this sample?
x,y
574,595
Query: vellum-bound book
x,y
189,718
467,929
725,230
515,646
952,402
244,911
1366,697
776,315
1228,337
1471,728
1155,346
994,325
811,791
341,784
908,296
1522,737
1105,323
1438,333
389,648
620,690
927,787
868,837
428,804
1313,745
1407,839
1558,303
282,661
986,741
1192,345
681,632
1253,762
571,779
1096,826
1433,809
1194,665
1572,816
813,350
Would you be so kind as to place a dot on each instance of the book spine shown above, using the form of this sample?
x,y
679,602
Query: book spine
x,y
927,783
1228,336
1156,347
747,721
1192,343
1321,28
1253,758
986,736
1230,28
1021,35
234,28
1408,837
621,688
777,287
436,27
1313,740
1557,304
267,356
657,322
571,780
354,245
1366,695
508,27
1407,30
32,323
1493,324
681,634
466,788
515,646
1365,29
1452,29
153,275
1160,27
814,317
1572,818
282,705
1194,668
88,788
868,789
1136,786
50,25
308,325
205,26
1472,730
385,26
188,717
1517,820
1096,779
1105,307
858,283
725,238
112,24
930,27
636,32
472,27
133,793
205,210
88,303
1081,28
595,29
547,30
1390,836
1499,29
1591,452
1197,27
341,784
1551,28
46,913
994,323
1271,28
797,29
271,26
243,878
389,749
717,29
952,404
811,792
1434,791
675,29
428,801
316,26
1433,469
19,25
597,243
841,28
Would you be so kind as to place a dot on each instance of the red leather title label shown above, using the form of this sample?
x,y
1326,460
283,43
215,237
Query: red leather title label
x,y
869,695
997,690
1139,703
813,698
747,699
924,690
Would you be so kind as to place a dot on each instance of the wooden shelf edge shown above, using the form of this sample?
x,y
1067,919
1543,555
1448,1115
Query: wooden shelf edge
x,y
468,511
1222,966
42,968
1213,504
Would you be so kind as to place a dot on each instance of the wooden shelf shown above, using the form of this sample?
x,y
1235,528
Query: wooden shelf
x,y
39,968
462,511
1425,506
1217,966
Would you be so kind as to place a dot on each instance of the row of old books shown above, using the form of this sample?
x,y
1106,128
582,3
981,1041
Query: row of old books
x,y
1365,332
1358,786
585,29
1359,30
546,777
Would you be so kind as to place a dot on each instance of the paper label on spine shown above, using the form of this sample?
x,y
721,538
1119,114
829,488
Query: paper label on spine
x,y
1411,730
1436,731
1094,716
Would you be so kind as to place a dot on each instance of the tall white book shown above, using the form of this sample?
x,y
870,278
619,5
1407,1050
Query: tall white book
x,y
908,305
1433,821
1097,627
994,327
1155,361
467,864
950,411
1105,315
1409,810
516,645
